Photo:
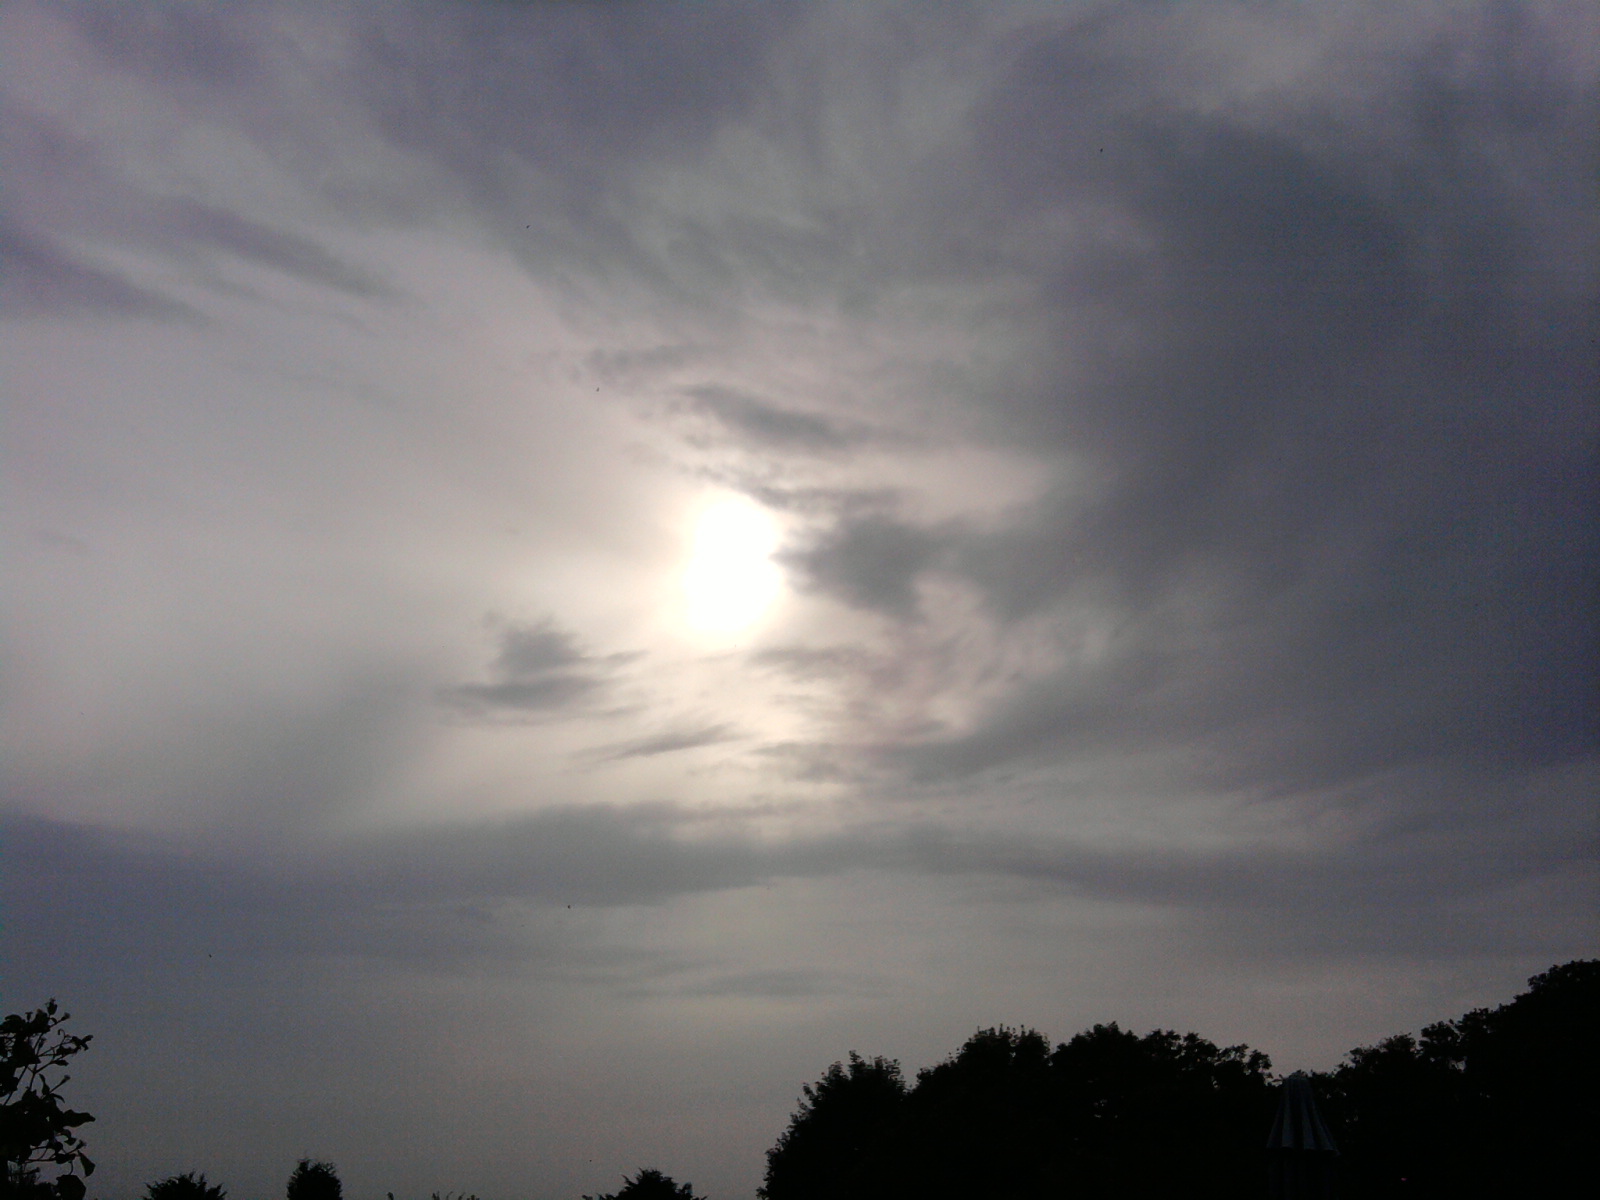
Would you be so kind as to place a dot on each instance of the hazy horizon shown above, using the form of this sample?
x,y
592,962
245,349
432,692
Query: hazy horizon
x,y
570,565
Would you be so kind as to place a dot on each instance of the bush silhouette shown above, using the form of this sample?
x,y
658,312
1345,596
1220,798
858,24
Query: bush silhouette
x,y
650,1185
36,1128
188,1186
314,1181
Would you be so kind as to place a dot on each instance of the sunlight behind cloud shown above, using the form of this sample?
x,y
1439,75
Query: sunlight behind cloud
x,y
730,579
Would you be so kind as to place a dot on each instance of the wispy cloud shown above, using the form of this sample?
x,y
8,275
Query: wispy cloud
x,y
539,670
670,742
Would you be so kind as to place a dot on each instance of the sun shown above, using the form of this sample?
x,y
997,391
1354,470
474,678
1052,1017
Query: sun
x,y
730,579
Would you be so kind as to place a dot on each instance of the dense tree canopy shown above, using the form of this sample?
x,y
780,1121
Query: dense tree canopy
x,y
845,1139
1499,1102
1007,1116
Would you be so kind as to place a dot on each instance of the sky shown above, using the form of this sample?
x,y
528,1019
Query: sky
x,y
568,565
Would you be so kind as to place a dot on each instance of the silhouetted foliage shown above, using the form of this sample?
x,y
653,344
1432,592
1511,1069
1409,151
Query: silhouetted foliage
x,y
1498,1102
1108,1112
36,1128
982,1119
650,1185
1162,1114
188,1186
314,1181
845,1139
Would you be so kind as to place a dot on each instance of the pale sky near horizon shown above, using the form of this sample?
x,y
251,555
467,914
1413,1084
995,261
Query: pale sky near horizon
x,y
568,565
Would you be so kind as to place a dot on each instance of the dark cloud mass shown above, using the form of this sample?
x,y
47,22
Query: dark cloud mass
x,y
1349,473
871,562
768,425
1174,425
539,669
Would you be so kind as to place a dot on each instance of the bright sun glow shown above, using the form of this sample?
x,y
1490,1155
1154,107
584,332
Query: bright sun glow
x,y
730,579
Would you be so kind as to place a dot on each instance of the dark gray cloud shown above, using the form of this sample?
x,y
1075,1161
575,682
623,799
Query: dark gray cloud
x,y
768,425
534,649
824,505
189,223
551,82
532,117
670,742
539,669
392,895
181,42
41,280
69,188
1328,383
456,890
520,695
869,562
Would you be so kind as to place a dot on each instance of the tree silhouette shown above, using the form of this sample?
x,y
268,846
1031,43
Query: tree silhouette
x,y
36,1128
1162,1113
844,1141
188,1186
982,1120
1500,1102
1497,1102
314,1181
1107,1113
650,1185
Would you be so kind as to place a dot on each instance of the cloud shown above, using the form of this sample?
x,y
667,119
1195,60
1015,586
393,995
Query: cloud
x,y
534,649
388,893
539,669
1179,417
40,280
1295,354
869,562
457,889
1309,388
71,189
669,743
813,662
767,425
533,695
188,223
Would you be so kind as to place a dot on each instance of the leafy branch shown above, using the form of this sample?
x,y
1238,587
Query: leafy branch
x,y
36,1127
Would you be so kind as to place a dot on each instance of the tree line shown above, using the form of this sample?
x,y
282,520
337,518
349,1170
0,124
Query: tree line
x,y
308,1181
1497,1102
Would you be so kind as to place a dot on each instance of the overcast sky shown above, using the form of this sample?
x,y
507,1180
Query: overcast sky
x,y
568,565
